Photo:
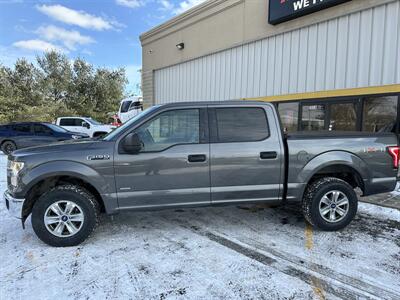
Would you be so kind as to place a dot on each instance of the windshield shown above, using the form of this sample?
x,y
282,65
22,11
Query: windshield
x,y
115,132
92,121
56,128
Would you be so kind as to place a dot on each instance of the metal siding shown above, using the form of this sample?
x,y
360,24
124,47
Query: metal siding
x,y
378,37
303,61
312,51
342,49
321,43
331,55
358,50
353,50
294,61
365,48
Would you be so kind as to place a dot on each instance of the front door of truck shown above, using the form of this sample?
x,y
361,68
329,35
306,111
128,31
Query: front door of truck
x,y
172,167
246,154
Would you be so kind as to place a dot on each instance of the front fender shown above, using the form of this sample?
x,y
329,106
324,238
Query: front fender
x,y
104,185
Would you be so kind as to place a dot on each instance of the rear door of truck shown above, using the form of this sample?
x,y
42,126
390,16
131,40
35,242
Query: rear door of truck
x,y
246,153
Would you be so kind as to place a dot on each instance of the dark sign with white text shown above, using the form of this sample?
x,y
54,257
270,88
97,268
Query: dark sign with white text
x,y
285,10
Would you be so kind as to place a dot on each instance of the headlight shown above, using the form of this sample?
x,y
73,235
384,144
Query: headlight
x,y
75,137
15,167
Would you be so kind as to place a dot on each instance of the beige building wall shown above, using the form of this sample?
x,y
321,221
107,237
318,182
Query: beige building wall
x,y
217,25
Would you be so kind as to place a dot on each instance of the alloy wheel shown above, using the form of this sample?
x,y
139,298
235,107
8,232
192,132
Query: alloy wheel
x,y
334,206
64,218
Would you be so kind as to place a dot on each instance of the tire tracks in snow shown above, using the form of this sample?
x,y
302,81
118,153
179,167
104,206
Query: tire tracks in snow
x,y
330,281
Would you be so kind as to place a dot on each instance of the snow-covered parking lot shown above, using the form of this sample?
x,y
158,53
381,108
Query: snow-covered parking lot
x,y
207,253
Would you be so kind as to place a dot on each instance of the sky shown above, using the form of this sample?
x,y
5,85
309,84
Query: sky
x,y
103,32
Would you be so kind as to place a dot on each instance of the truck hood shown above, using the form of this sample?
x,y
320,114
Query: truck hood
x,y
62,147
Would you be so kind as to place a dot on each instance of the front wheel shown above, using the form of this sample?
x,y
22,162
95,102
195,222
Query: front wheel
x,y
330,204
65,216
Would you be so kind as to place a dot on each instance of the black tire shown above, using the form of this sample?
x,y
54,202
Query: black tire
x,y
314,196
75,194
8,147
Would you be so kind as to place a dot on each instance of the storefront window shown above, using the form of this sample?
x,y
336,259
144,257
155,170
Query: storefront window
x,y
343,117
289,113
313,117
380,114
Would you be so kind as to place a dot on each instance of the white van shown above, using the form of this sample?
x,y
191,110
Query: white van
x,y
130,107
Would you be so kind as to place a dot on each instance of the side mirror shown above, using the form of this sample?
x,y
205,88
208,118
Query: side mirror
x,y
85,124
132,144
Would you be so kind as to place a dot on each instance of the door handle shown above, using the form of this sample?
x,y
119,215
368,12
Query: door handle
x,y
197,158
268,155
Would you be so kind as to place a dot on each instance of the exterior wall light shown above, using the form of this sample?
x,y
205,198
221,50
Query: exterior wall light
x,y
180,46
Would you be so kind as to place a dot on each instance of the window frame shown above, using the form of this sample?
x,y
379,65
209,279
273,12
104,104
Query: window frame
x,y
327,102
366,97
30,132
213,122
49,133
71,120
203,129
339,100
122,106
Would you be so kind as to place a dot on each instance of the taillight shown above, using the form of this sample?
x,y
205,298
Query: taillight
x,y
395,153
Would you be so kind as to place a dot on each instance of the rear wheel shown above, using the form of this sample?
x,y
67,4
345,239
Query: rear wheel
x,y
65,216
330,204
8,147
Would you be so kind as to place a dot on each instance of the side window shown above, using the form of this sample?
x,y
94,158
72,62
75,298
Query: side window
x,y
22,128
380,114
289,113
245,124
313,117
67,122
125,106
78,122
41,129
135,105
170,128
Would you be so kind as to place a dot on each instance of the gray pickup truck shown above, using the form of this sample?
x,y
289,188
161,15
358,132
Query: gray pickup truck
x,y
197,154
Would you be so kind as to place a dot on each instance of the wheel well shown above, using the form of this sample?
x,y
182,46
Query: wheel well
x,y
99,133
6,140
346,173
48,183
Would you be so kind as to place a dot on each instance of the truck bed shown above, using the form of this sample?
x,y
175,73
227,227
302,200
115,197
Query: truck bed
x,y
360,152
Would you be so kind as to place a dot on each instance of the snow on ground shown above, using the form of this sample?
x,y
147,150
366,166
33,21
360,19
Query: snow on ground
x,y
207,253
397,190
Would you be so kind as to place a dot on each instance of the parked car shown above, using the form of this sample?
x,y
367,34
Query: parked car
x,y
198,154
21,135
130,108
85,125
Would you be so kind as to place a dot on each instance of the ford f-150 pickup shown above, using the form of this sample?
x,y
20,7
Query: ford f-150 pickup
x,y
197,154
